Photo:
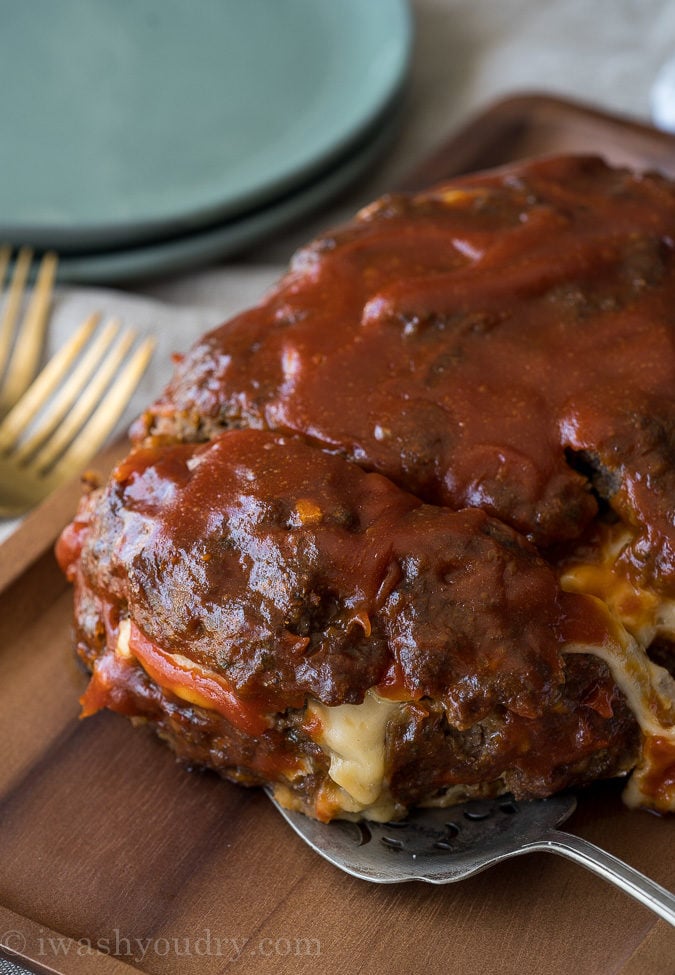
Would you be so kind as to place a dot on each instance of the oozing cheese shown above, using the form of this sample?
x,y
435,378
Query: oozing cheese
x,y
650,693
640,614
122,648
354,736
643,611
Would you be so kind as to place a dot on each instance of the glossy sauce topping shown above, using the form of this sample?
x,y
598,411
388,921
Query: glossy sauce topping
x,y
501,342
284,572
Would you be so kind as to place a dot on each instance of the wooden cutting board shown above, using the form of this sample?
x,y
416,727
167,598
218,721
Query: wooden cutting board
x,y
116,859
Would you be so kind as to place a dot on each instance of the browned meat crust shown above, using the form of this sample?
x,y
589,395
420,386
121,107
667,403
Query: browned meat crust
x,y
291,574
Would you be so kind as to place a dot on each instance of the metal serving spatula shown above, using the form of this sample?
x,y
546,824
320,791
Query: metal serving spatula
x,y
441,846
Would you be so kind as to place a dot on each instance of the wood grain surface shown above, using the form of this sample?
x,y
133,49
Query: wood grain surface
x,y
533,125
115,859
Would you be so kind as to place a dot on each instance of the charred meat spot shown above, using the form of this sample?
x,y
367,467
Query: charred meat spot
x,y
322,617
345,517
604,482
506,539
569,295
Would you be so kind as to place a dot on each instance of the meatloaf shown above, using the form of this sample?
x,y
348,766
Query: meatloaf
x,y
404,532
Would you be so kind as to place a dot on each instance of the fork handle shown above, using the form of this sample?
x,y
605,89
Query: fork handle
x,y
599,861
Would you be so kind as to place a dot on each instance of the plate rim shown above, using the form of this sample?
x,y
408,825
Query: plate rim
x,y
221,240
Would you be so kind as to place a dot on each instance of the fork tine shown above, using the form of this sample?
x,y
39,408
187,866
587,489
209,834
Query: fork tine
x,y
110,408
74,387
13,303
30,340
43,386
94,398
5,254
85,430
90,396
85,403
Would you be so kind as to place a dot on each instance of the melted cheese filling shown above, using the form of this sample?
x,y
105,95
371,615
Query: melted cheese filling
x,y
644,612
640,615
354,736
650,693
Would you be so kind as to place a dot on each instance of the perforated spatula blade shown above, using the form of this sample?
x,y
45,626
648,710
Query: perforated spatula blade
x,y
441,846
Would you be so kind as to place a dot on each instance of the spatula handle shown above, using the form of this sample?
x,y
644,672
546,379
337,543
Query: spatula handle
x,y
631,881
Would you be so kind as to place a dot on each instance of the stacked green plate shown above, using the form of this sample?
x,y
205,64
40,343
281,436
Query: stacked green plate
x,y
147,135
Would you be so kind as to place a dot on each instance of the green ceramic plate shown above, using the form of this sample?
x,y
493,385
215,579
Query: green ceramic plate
x,y
175,254
128,120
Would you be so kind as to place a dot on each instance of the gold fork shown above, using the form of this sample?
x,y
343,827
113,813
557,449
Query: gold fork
x,y
66,414
21,348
